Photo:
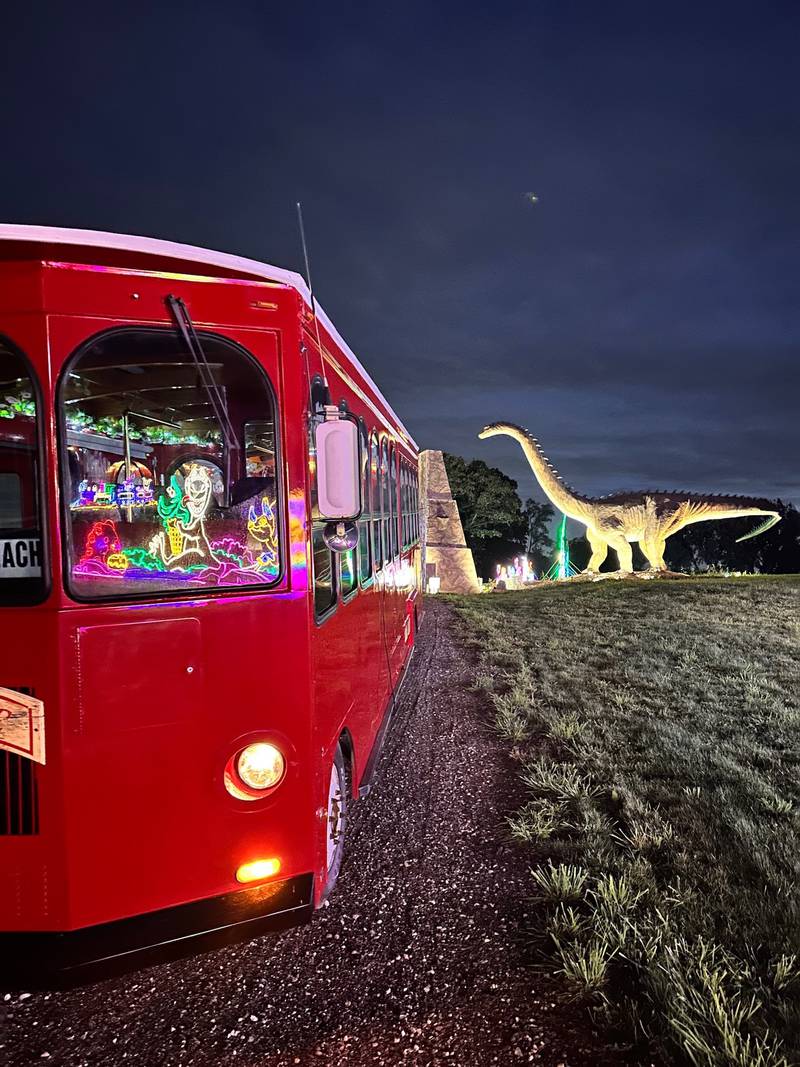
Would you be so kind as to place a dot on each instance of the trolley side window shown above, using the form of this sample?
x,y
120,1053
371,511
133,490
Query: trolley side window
x,y
375,501
348,578
22,573
413,507
385,512
323,559
169,469
415,504
365,522
324,572
393,516
405,509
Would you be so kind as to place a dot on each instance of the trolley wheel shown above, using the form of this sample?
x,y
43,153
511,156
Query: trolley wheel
x,y
336,821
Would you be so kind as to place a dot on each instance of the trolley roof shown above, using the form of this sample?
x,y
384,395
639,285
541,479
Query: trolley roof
x,y
238,265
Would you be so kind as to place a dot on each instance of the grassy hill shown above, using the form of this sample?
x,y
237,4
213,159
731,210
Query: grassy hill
x,y
657,729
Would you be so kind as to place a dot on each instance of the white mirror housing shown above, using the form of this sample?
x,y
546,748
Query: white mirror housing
x,y
338,469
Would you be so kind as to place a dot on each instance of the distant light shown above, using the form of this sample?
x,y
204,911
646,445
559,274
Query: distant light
x,y
258,870
532,198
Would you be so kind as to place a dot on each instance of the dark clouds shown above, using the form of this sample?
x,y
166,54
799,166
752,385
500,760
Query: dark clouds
x,y
641,318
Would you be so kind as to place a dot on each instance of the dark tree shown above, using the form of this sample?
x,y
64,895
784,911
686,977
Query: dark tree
x,y
538,542
579,553
495,525
707,545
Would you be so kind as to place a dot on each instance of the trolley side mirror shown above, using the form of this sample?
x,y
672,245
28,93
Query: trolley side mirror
x,y
338,450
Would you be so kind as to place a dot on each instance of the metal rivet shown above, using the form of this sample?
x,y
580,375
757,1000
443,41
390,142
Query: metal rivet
x,y
189,670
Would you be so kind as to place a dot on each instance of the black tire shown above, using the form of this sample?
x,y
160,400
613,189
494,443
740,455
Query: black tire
x,y
338,804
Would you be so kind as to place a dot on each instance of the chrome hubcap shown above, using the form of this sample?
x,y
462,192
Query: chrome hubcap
x,y
335,819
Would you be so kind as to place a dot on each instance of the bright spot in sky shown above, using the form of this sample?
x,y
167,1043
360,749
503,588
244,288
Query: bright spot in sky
x,y
532,197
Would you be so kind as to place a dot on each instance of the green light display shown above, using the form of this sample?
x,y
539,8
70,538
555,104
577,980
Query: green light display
x,y
562,568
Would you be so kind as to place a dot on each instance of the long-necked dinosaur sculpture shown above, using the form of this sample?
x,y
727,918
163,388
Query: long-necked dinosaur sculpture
x,y
618,520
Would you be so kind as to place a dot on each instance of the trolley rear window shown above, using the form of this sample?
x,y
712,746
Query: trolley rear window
x,y
170,467
22,576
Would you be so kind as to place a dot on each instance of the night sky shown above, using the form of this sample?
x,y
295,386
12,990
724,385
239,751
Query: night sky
x,y
642,318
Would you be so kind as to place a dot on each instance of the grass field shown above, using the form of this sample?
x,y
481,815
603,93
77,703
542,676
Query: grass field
x,y
657,730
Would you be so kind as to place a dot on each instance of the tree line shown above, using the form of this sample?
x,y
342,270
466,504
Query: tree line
x,y
498,526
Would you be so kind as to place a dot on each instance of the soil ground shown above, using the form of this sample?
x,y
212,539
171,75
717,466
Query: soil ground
x,y
420,957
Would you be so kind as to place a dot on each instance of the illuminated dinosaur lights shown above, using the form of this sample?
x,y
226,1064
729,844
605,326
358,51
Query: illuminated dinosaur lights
x,y
618,520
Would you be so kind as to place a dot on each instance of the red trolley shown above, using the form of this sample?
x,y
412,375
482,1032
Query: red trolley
x,y
209,566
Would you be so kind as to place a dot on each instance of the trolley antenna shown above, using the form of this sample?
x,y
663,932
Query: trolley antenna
x,y
310,287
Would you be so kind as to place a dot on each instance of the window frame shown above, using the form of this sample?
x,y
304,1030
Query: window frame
x,y
410,492
319,395
323,616
45,587
394,515
341,596
402,504
405,503
417,509
366,506
412,538
62,468
383,479
392,538
376,532
345,598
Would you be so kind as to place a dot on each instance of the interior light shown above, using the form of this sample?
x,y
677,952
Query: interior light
x,y
258,870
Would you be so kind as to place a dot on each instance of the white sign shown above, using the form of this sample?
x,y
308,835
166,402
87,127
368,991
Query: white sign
x,y
20,557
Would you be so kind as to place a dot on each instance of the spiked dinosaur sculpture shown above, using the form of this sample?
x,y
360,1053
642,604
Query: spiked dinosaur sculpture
x,y
618,520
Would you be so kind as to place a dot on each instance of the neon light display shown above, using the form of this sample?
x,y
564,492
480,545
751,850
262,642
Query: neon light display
x,y
127,494
182,550
261,527
562,568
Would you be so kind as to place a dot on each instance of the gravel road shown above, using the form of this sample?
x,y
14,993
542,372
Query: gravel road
x,y
418,959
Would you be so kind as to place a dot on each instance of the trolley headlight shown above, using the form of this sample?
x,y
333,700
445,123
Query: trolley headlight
x,y
260,766
254,771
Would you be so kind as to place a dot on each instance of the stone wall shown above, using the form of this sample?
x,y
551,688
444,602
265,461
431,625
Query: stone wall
x,y
444,550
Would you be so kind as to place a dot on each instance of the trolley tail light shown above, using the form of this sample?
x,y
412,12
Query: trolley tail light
x,y
258,870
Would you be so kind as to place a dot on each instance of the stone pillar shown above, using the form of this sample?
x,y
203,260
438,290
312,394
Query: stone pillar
x,y
444,550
